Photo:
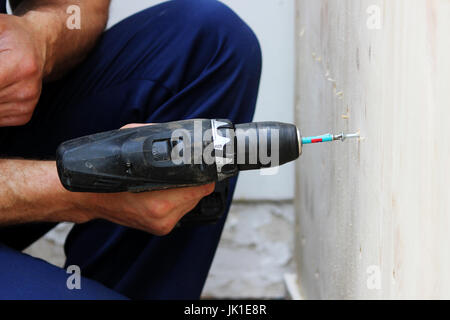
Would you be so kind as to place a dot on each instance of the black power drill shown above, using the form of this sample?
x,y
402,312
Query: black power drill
x,y
176,154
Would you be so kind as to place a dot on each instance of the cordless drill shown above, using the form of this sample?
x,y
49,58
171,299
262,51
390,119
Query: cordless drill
x,y
178,154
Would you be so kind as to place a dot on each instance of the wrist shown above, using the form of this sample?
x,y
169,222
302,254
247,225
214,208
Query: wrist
x,y
62,205
43,27
73,206
30,191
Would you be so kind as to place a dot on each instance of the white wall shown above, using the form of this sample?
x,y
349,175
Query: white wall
x,y
374,215
273,23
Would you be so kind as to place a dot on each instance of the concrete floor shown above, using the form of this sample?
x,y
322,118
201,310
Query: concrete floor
x,y
253,256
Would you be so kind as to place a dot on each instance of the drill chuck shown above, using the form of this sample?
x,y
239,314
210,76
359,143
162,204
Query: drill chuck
x,y
278,141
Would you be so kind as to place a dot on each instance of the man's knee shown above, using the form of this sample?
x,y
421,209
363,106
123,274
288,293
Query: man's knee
x,y
198,31
228,29
215,29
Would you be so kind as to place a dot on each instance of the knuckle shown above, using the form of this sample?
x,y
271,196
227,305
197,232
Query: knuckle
x,y
24,109
3,78
165,227
79,219
29,66
15,121
196,193
161,208
26,117
209,188
201,191
29,92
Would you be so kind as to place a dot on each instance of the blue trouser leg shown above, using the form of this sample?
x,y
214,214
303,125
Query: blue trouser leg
x,y
24,277
178,60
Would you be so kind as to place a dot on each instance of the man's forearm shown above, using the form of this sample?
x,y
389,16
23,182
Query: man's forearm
x,y
30,191
63,47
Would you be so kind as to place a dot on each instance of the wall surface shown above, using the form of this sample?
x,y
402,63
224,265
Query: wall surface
x,y
374,214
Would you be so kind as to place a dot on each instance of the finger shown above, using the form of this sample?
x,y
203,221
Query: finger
x,y
181,195
7,70
199,192
15,120
136,125
15,109
176,215
7,92
183,209
21,91
162,226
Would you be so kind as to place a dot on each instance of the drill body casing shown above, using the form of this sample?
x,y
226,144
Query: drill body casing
x,y
172,155
137,159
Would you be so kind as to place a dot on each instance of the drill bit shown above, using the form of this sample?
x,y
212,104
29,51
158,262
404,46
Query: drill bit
x,y
330,137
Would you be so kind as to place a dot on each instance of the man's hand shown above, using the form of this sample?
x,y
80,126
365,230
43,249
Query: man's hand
x,y
22,60
36,46
156,212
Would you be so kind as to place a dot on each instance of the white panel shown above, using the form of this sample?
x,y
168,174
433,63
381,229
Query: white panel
x,y
273,22
374,215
